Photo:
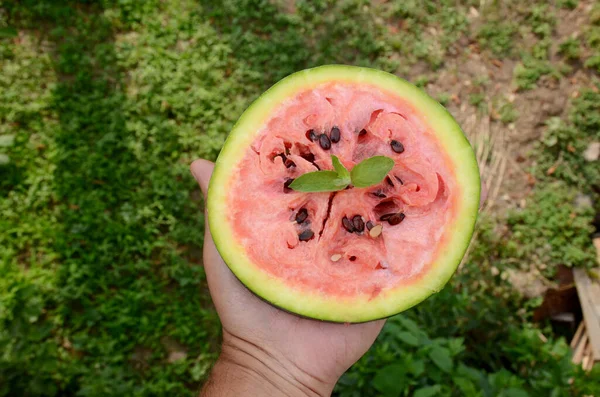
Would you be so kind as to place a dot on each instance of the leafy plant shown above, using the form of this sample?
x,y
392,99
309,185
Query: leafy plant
x,y
554,231
569,4
564,143
542,20
508,113
531,70
477,99
443,98
407,361
570,48
593,63
498,37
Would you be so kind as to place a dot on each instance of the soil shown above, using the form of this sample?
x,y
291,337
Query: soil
x,y
462,75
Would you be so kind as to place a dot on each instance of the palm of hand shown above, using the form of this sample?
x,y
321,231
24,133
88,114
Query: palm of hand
x,y
321,350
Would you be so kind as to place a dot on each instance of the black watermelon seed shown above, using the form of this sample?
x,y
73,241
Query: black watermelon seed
x,y
324,142
389,181
347,225
399,180
396,219
352,258
397,146
306,235
358,223
370,225
289,163
287,183
385,217
335,135
302,215
308,157
312,135
379,194
362,132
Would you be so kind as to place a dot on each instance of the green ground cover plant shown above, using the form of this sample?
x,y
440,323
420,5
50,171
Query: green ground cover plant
x,y
498,36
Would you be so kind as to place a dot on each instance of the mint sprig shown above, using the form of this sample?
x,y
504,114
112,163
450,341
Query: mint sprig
x,y
371,171
342,172
318,181
366,173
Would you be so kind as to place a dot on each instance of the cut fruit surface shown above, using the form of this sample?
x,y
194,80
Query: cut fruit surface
x,y
358,254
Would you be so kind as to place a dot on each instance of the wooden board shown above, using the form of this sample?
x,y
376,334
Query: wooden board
x,y
578,334
590,305
579,350
586,342
588,291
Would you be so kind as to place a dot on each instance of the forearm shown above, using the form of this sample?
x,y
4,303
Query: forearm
x,y
245,370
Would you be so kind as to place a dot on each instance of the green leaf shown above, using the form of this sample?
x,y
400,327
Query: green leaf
x,y
441,357
466,386
342,172
427,391
514,392
408,338
416,367
469,372
371,171
407,323
455,345
390,380
318,181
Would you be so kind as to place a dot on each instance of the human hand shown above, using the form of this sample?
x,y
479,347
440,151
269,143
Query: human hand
x,y
267,351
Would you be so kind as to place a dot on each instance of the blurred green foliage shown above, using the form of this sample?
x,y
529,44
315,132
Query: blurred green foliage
x,y
103,104
498,36
531,69
554,231
564,143
406,361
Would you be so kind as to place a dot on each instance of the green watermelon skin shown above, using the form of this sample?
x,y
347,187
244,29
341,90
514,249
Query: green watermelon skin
x,y
252,214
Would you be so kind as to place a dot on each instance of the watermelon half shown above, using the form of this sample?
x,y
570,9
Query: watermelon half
x,y
325,265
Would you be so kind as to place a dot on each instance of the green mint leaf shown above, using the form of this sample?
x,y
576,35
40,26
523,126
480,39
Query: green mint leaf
x,y
342,172
319,181
371,171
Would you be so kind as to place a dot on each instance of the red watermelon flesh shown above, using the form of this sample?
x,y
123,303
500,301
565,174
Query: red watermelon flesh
x,y
263,210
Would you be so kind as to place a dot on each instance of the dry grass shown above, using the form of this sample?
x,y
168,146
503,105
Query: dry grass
x,y
490,144
489,141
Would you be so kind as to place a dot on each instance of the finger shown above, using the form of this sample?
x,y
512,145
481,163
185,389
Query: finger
x,y
223,285
375,327
202,170
367,330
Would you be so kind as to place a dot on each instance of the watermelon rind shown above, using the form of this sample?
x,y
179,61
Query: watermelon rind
x,y
319,305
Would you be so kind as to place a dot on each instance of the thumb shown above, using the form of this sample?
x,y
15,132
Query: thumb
x,y
223,285
202,170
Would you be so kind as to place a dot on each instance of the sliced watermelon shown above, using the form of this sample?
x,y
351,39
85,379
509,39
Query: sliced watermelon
x,y
358,254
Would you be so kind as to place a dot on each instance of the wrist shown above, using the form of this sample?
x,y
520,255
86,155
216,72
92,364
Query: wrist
x,y
247,369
